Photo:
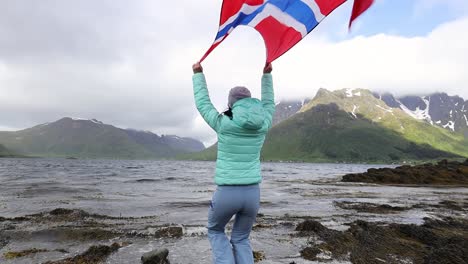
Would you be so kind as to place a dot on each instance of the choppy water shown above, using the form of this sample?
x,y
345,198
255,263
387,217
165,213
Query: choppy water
x,y
179,192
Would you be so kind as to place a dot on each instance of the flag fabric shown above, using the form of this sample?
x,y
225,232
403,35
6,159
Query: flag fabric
x,y
282,23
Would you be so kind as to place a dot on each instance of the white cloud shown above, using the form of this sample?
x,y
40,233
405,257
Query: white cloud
x,y
401,65
455,6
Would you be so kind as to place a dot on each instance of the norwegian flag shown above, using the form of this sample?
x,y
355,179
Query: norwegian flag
x,y
282,23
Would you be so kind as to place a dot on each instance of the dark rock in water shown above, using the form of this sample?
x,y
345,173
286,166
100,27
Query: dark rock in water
x,y
370,207
63,211
436,241
156,257
23,253
443,173
258,256
147,180
452,205
310,226
3,241
171,231
77,233
94,255
62,214
310,253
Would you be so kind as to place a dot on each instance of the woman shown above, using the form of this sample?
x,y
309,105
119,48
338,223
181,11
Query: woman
x,y
241,132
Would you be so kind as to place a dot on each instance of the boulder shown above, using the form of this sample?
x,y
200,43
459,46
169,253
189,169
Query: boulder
x,y
158,256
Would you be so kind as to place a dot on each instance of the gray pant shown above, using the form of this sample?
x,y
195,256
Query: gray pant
x,y
243,202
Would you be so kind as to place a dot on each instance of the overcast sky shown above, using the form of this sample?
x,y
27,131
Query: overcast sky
x,y
128,63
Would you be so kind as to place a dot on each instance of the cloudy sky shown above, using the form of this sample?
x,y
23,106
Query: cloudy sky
x,y
128,63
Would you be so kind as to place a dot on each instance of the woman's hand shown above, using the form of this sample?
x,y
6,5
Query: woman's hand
x,y
197,68
268,68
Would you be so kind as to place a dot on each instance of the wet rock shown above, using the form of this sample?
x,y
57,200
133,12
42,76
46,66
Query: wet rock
x,y
452,205
78,234
258,256
156,257
310,253
23,253
370,207
3,241
311,226
262,225
171,232
63,211
94,255
443,173
436,241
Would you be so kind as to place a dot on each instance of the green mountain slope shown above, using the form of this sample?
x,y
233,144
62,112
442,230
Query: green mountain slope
x,y
89,139
360,103
4,152
326,133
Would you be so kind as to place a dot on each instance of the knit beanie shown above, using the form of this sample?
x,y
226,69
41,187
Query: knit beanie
x,y
236,94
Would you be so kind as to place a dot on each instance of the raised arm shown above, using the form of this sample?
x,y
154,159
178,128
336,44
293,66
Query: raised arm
x,y
268,96
202,98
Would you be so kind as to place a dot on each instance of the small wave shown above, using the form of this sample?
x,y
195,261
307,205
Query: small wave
x,y
188,204
135,167
147,180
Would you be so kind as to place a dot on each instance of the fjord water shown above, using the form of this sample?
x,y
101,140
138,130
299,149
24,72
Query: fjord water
x,y
178,192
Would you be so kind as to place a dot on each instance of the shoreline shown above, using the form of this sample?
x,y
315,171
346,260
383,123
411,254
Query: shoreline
x,y
75,231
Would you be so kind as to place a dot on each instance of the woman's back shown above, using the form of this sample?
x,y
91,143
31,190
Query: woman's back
x,y
240,137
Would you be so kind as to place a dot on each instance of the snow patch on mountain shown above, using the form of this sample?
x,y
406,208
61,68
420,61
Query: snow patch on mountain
x,y
421,114
354,111
385,109
84,119
350,92
450,125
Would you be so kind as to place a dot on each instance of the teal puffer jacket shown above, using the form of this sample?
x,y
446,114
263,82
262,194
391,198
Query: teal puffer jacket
x,y
241,138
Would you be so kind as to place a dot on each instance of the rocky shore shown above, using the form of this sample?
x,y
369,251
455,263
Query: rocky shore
x,y
439,240
436,241
445,172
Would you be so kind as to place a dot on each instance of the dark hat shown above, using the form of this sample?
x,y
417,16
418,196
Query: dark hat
x,y
236,94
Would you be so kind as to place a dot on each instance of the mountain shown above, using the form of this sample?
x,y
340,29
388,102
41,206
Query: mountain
x,y
94,139
4,152
286,109
439,109
361,103
352,125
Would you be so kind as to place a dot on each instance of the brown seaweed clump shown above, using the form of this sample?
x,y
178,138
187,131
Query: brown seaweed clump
x,y
94,255
436,241
23,253
443,173
370,207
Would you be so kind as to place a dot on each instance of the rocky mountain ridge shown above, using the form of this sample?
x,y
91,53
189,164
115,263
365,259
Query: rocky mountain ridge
x,y
90,138
437,109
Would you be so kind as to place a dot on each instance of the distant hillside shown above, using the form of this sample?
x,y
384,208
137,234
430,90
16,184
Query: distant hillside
x,y
4,152
351,125
94,139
